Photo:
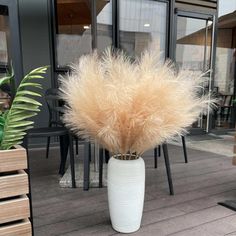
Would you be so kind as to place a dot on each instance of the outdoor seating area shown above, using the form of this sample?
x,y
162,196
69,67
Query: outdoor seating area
x,y
118,117
199,185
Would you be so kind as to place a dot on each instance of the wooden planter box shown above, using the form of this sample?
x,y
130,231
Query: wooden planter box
x,y
14,187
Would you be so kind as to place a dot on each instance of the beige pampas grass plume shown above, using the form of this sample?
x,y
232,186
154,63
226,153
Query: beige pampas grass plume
x,y
129,107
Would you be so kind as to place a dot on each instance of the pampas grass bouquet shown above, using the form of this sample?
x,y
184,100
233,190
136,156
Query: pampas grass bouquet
x,y
130,106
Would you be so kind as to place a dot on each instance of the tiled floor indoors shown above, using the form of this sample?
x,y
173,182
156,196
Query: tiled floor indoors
x,y
207,179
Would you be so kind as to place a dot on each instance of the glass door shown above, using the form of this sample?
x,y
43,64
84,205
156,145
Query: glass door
x,y
193,51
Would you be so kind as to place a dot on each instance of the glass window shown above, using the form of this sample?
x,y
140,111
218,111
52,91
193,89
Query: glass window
x,y
74,29
73,37
193,52
4,33
193,43
225,52
104,24
225,67
142,25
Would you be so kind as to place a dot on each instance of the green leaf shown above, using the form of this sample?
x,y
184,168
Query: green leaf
x,y
13,139
9,145
35,77
27,92
16,134
26,107
27,100
2,121
23,116
20,124
14,122
36,85
20,129
1,133
5,80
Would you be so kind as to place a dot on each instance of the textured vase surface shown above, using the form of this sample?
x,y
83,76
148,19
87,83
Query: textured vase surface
x,y
126,187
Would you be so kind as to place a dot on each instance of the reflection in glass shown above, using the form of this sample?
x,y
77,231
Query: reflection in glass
x,y
4,32
142,25
104,24
5,93
73,37
193,52
225,72
193,43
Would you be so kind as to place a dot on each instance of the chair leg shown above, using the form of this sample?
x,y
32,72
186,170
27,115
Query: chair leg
x,y
77,146
86,166
155,157
48,146
72,161
227,114
48,142
107,156
100,167
159,150
64,146
184,149
168,171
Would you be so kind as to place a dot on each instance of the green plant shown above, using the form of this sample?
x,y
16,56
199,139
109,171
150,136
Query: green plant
x,y
14,122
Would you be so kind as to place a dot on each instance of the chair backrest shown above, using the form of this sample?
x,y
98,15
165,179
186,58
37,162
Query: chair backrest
x,y
55,106
228,100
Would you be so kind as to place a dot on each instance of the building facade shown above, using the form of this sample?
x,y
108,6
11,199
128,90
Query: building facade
x,y
197,34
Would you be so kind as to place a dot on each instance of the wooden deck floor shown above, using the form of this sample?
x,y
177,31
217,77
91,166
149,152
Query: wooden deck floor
x,y
207,179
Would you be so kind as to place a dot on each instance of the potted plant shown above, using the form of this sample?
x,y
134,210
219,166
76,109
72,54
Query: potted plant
x,y
129,107
14,180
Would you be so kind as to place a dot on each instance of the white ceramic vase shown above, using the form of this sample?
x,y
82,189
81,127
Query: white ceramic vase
x,y
126,186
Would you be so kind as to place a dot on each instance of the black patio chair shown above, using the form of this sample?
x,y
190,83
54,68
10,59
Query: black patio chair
x,y
66,142
167,161
158,150
66,138
55,109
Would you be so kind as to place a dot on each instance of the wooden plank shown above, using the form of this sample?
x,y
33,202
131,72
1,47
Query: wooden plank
x,y
15,209
14,184
207,179
183,222
20,229
14,159
224,226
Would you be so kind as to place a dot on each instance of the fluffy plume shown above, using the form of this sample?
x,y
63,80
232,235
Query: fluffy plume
x,y
129,107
